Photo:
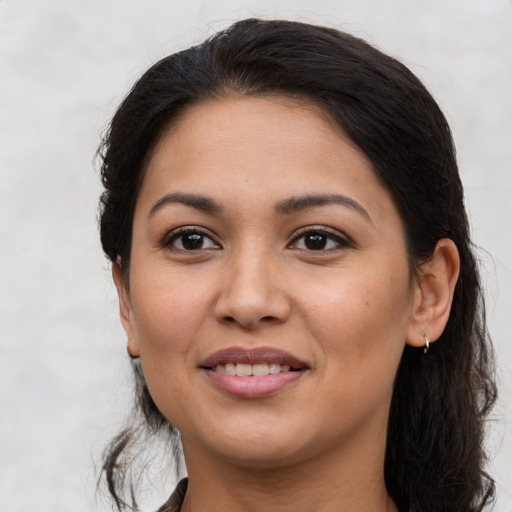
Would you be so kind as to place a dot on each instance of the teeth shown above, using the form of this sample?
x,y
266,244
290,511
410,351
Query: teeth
x,y
260,369
274,368
246,370
230,369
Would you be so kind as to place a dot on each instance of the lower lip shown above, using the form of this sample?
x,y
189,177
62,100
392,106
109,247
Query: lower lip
x,y
254,387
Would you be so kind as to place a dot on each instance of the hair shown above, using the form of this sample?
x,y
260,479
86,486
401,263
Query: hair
x,y
435,459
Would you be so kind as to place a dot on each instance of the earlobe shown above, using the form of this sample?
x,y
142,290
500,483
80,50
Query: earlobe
x,y
125,309
433,294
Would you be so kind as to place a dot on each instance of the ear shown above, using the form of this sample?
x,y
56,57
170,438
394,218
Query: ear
x,y
125,309
433,294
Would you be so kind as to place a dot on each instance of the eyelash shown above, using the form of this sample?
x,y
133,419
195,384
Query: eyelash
x,y
340,241
180,233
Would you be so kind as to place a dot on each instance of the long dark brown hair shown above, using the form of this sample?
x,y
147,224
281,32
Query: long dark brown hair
x,y
435,458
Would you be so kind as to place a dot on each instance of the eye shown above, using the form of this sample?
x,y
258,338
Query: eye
x,y
189,239
316,239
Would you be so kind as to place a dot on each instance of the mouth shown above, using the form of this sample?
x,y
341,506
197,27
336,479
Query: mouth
x,y
253,362
249,370
253,373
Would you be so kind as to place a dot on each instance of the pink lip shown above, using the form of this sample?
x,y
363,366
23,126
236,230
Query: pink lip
x,y
253,386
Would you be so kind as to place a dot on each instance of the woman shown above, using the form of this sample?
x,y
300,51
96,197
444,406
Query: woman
x,y
286,226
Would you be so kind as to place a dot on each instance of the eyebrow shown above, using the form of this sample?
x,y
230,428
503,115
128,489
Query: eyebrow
x,y
297,204
285,207
202,203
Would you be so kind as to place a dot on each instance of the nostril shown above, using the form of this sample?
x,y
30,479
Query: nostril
x,y
249,323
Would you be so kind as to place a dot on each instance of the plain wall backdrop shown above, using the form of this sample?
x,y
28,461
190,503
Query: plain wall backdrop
x,y
65,381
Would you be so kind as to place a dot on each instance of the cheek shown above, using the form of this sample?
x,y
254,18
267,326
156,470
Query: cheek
x,y
361,323
360,327
168,314
168,317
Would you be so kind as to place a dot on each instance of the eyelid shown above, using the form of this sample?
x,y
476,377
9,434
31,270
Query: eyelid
x,y
172,235
339,237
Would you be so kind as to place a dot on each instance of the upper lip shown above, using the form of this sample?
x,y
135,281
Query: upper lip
x,y
243,355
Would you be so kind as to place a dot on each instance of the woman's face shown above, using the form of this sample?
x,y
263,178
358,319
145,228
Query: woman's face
x,y
264,243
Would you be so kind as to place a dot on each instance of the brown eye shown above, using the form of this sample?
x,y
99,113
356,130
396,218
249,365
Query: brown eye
x,y
315,241
319,240
189,240
192,241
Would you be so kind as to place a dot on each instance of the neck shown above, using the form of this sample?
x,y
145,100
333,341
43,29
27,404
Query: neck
x,y
353,482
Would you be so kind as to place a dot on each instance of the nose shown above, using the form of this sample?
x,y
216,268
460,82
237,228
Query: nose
x,y
252,292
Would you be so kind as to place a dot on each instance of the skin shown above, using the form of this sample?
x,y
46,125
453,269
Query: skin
x,y
346,309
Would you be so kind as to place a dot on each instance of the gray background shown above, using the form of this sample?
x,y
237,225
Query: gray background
x,y
64,66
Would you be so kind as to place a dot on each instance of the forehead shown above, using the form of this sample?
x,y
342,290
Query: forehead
x,y
277,145
256,120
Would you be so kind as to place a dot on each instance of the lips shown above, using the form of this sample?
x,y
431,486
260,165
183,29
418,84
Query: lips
x,y
238,355
253,373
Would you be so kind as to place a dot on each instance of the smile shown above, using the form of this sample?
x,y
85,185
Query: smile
x,y
253,373
248,370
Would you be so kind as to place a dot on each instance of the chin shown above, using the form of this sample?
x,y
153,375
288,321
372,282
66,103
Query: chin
x,y
266,447
270,456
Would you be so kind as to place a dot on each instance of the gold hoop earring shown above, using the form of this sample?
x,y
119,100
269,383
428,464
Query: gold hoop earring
x,y
427,343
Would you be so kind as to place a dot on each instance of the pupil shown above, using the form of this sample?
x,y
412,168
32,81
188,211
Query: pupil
x,y
192,241
315,242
